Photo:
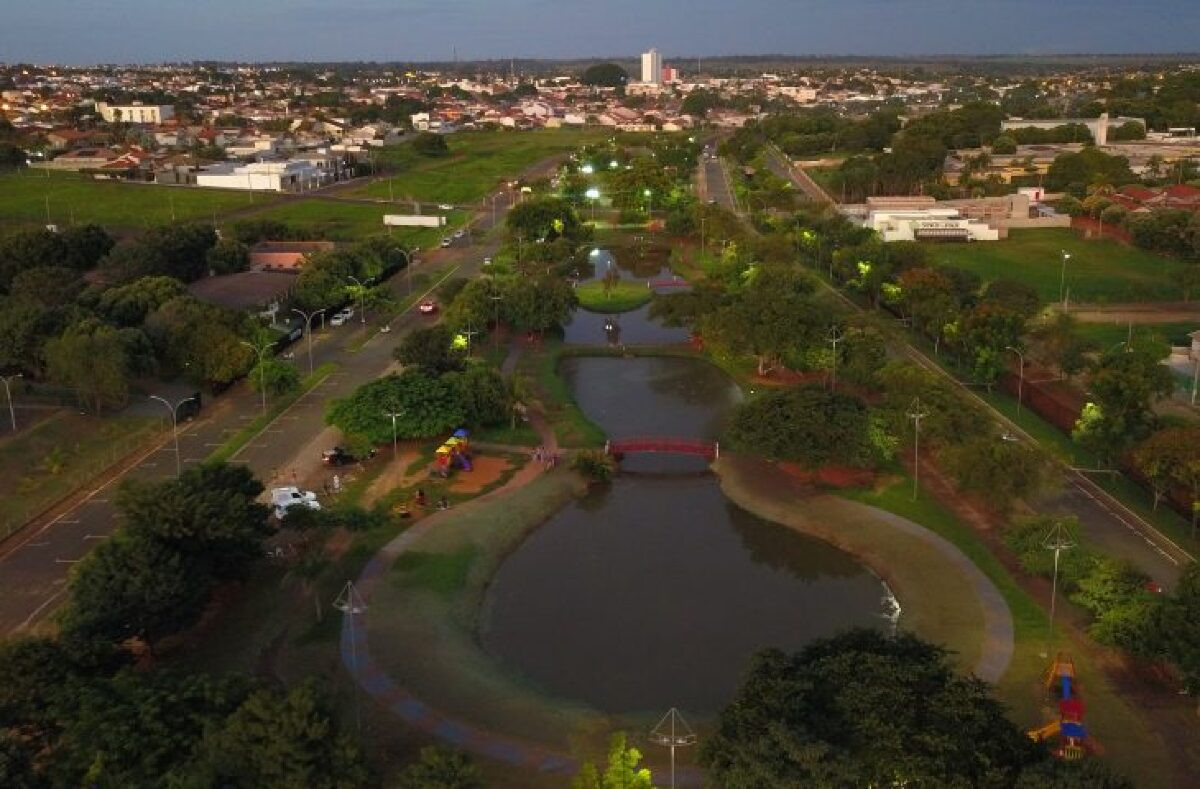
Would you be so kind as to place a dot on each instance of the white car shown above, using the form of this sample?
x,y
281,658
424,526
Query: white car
x,y
446,242
460,233
283,499
487,261
337,320
445,207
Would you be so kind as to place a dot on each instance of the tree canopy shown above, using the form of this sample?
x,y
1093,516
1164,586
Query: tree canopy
x,y
605,75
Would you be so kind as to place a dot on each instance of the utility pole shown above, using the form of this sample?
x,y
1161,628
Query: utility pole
x,y
1020,376
469,333
351,604
1062,280
916,413
835,336
1059,539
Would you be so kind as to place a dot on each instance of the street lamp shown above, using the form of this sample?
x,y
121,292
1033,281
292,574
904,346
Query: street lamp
x,y
394,415
835,336
308,316
673,732
593,195
1062,280
1058,540
362,291
916,413
494,198
649,195
1020,375
12,414
174,425
262,368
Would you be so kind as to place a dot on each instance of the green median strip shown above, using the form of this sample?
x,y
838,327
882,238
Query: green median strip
x,y
248,433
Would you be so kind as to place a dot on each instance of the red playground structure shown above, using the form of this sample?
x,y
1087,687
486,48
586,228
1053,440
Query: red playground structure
x,y
1072,736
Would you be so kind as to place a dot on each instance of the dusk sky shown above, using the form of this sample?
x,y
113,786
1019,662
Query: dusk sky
x,y
91,31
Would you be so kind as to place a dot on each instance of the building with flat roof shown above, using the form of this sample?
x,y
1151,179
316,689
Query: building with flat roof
x,y
652,67
135,113
929,224
289,176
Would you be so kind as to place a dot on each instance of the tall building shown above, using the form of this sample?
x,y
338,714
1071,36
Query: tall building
x,y
652,67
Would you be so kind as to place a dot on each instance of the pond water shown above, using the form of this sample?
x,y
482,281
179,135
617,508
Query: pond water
x,y
627,328
655,591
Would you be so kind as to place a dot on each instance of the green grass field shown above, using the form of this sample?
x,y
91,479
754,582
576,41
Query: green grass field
x,y
24,197
623,297
346,221
1099,271
478,161
1106,335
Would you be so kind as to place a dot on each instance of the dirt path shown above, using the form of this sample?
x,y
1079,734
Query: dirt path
x,y
1138,313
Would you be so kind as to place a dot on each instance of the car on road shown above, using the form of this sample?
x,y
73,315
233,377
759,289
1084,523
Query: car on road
x,y
445,207
341,316
446,242
338,456
427,307
283,499
487,261
460,233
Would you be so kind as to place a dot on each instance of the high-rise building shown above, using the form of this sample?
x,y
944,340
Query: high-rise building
x,y
652,67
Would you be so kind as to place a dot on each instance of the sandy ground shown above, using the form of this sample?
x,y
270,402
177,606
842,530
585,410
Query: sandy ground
x,y
485,469
393,475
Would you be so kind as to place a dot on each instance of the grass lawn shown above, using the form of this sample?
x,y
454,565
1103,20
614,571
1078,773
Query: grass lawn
x,y
57,456
346,221
1106,335
1100,271
622,297
1128,746
478,161
570,424
77,200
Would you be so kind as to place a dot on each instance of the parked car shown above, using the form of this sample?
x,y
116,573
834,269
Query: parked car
x,y
446,242
340,457
445,207
487,261
282,499
427,307
460,233
341,316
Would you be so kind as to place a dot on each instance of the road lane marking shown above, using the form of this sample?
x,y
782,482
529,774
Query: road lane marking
x,y
36,544
148,465
95,536
71,520
66,561
29,619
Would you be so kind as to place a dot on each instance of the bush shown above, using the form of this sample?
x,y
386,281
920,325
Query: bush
x,y
595,464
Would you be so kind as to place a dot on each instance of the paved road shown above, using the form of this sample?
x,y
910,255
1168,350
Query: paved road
x,y
35,564
809,189
717,184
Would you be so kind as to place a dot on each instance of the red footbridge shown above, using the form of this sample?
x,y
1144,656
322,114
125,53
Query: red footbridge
x,y
709,450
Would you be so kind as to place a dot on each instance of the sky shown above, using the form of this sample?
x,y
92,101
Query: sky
x,y
81,32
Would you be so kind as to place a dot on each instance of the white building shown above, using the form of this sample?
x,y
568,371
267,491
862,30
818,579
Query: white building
x,y
290,176
652,67
929,224
135,113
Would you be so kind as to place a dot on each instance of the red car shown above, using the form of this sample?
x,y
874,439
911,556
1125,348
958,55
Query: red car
x,y
427,307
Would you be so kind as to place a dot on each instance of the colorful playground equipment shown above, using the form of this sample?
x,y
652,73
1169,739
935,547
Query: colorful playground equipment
x,y
455,453
1069,729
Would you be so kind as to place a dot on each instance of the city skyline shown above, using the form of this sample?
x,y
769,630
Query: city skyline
x,y
66,32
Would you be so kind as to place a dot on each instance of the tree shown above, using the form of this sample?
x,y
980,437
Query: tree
x,y
1012,295
278,741
605,75
988,331
1165,456
441,768
430,348
807,424
621,772
1004,145
950,417
91,358
537,304
229,256
201,340
26,249
929,296
24,329
545,218
128,305
277,377
430,144
1087,773
863,709
1055,341
130,587
428,406
85,245
997,470
483,395
47,286
1124,386
1176,628
180,251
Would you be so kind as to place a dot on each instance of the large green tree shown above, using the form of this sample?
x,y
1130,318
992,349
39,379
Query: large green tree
x,y
864,709
1124,386
92,359
440,768
427,406
808,424
431,349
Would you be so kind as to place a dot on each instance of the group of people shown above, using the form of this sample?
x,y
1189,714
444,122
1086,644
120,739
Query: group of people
x,y
544,456
421,500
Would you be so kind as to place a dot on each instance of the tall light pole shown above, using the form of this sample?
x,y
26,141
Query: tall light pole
x,y
351,604
362,291
174,409
308,316
592,195
495,197
673,732
12,413
649,195
1020,376
916,413
1062,280
394,415
262,368
1059,539
835,336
